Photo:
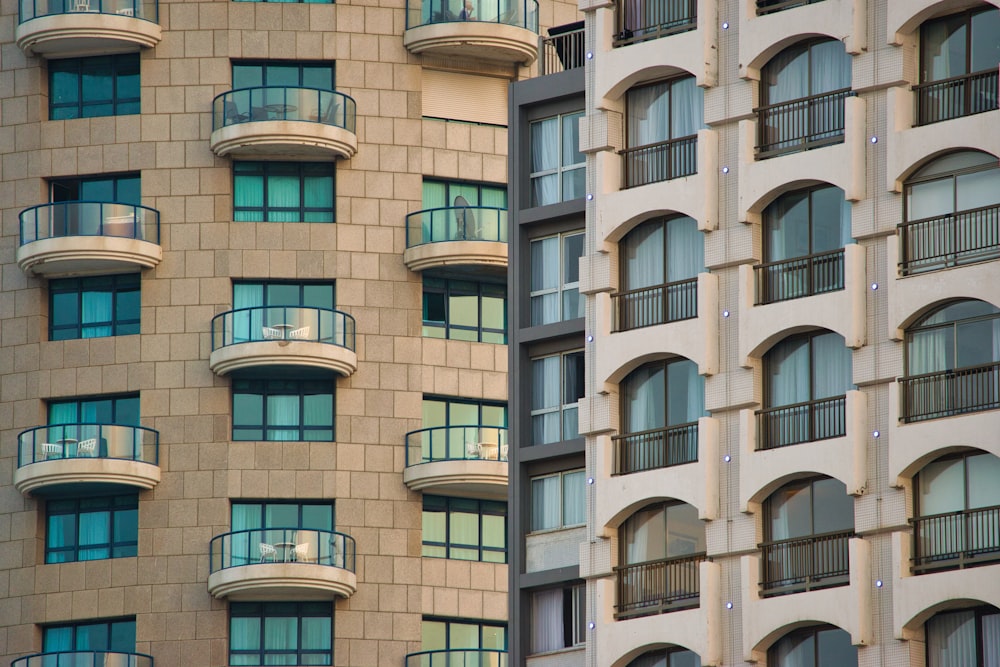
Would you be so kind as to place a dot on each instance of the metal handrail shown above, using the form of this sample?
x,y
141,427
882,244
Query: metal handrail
x,y
956,540
801,124
259,103
972,235
561,52
771,6
659,161
521,15
283,323
658,304
89,441
799,277
89,218
461,657
805,563
784,425
956,96
655,448
84,659
658,586
456,443
950,392
259,546
146,10
661,18
456,223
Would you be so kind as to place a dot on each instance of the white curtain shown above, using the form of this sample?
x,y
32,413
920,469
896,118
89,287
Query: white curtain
x,y
686,108
648,115
645,398
929,351
547,621
545,277
991,640
685,250
951,640
247,325
831,371
545,157
831,67
573,499
545,508
96,307
545,389
642,254
788,370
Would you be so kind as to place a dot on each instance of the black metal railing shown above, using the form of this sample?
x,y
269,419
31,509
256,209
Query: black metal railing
x,y
658,586
467,657
799,277
88,441
648,306
519,13
84,659
771,6
247,105
949,240
656,448
562,50
951,392
652,19
89,218
802,124
281,545
956,540
140,9
456,443
805,563
283,324
785,425
958,96
662,161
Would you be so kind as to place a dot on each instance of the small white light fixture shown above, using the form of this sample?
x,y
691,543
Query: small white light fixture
x,y
591,625
875,434
725,170
590,55
874,286
725,313
729,605
590,480
590,197
727,458
590,339
725,25
874,140
878,583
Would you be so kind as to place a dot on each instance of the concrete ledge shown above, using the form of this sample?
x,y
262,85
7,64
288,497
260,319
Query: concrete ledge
x,y
48,476
282,581
456,253
478,40
258,354
470,478
284,140
85,34
80,255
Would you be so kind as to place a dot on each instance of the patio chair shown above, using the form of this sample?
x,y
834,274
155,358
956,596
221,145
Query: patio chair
x,y
267,551
87,447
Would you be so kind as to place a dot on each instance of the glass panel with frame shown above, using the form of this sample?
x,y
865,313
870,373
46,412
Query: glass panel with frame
x,y
284,191
447,440
465,529
95,86
964,637
465,310
557,386
94,306
283,409
817,646
670,657
280,633
558,618
455,635
557,165
91,528
555,278
114,635
558,501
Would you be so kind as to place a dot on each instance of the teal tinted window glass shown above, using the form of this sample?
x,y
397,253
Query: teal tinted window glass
x,y
79,529
93,307
283,192
283,409
97,86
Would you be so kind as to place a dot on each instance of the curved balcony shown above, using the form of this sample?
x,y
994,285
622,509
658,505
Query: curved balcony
x,y
499,30
73,28
282,564
456,236
64,457
81,237
84,659
284,123
469,461
299,336
468,657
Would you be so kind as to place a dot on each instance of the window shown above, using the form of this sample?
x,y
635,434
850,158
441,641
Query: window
x,y
661,403
91,528
279,74
558,501
265,531
966,637
462,635
951,209
660,261
651,19
112,636
97,86
283,191
459,211
440,194
957,504
958,65
283,409
809,523
557,165
299,515
952,361
120,188
465,310
93,307
558,618
804,236
662,123
669,657
465,529
278,294
817,646
122,410
771,6
660,543
286,310
557,383
806,379
555,278
803,90
280,633
461,429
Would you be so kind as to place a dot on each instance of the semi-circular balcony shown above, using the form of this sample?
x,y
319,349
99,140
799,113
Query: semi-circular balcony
x,y
469,461
282,564
87,237
274,336
84,659
284,123
506,32
480,657
84,458
472,236
73,28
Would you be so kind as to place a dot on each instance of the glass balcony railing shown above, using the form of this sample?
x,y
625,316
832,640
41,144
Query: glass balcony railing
x,y
456,443
518,13
247,105
456,223
282,545
469,657
283,323
84,659
88,441
140,9
89,218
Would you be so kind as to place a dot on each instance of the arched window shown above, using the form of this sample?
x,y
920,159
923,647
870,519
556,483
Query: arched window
x,y
964,637
956,520
804,237
952,213
806,380
660,261
661,133
952,362
817,646
808,524
661,547
803,89
674,656
661,404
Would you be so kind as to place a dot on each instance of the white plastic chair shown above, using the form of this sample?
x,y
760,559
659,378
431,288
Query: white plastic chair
x,y
303,552
472,450
270,333
87,447
52,450
267,551
504,450
302,333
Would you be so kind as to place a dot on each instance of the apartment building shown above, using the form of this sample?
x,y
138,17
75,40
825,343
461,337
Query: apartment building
x,y
253,336
757,422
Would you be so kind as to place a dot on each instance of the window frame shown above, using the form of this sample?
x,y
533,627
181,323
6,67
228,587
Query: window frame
x,y
266,171
560,169
62,189
814,631
561,407
449,506
271,387
573,616
118,508
808,336
302,66
769,505
302,285
664,654
968,16
118,67
920,325
450,288
118,284
979,613
480,624
562,525
450,183
264,610
807,45
562,287
299,504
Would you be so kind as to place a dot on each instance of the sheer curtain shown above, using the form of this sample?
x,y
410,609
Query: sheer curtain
x,y
951,640
831,372
547,621
830,67
545,157
685,250
574,507
991,640
96,307
687,102
928,351
282,193
281,634
545,514
648,115
247,325
642,254
645,398
95,536
283,410
544,277
545,388
788,373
